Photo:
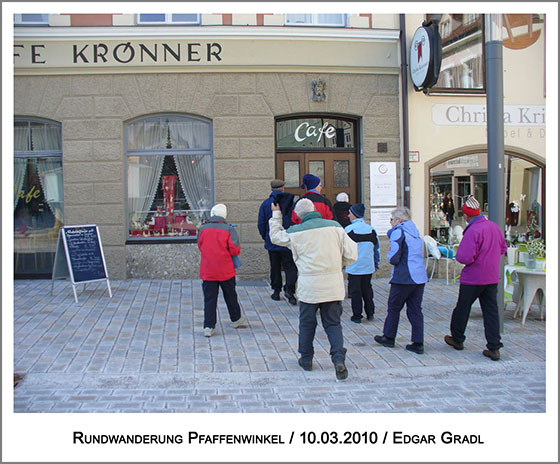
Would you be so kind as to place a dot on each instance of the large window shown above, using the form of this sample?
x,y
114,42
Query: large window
x,y
38,195
462,64
169,176
168,18
316,20
469,176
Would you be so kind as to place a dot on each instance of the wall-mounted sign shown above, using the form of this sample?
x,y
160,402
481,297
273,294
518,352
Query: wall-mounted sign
x,y
475,115
425,56
383,183
380,220
413,156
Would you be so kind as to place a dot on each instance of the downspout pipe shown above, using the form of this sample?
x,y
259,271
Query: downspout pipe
x,y
404,93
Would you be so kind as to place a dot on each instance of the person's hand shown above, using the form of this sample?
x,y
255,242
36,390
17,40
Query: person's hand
x,y
275,207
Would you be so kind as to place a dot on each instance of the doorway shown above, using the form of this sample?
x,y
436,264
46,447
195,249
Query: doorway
x,y
337,171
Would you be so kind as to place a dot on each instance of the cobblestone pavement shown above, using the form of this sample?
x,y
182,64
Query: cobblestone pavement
x,y
143,351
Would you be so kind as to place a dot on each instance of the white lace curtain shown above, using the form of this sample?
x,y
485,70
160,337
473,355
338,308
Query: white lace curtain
x,y
195,179
50,176
143,181
20,167
21,138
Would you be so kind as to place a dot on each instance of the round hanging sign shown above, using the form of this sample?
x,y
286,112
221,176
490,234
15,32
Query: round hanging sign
x,y
425,56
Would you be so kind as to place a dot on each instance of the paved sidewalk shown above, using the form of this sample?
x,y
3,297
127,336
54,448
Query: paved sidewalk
x,y
143,351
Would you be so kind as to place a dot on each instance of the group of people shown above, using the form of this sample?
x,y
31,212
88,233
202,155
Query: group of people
x,y
315,242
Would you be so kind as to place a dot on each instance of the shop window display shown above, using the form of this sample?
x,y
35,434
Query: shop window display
x,y
38,195
169,165
524,209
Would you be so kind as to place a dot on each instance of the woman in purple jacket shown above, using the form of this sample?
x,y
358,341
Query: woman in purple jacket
x,y
480,251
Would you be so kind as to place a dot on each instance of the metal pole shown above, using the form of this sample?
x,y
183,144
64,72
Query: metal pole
x,y
495,133
404,92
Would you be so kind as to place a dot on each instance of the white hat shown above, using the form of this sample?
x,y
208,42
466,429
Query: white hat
x,y
219,210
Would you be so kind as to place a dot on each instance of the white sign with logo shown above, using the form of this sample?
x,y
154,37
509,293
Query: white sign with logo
x,y
475,115
383,183
419,56
380,220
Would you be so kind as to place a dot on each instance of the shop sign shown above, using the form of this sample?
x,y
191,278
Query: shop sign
x,y
113,53
425,56
466,161
306,130
475,115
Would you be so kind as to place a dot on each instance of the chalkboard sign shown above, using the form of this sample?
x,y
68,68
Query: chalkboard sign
x,y
79,255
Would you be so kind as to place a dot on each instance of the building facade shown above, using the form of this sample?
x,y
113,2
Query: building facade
x,y
140,123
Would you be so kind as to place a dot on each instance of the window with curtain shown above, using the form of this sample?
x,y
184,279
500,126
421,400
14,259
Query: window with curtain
x,y
316,20
169,176
38,195
462,64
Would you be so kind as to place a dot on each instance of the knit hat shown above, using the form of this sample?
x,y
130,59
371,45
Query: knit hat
x,y
342,197
276,183
358,210
219,210
310,181
471,207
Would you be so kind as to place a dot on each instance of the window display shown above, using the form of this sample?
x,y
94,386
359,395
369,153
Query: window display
x,y
169,164
38,195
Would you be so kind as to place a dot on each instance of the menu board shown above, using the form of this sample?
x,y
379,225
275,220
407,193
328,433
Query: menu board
x,y
84,252
79,255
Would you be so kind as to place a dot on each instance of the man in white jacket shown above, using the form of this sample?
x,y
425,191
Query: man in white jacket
x,y
321,249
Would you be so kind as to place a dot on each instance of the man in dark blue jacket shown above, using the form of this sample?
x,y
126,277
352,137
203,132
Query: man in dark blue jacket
x,y
279,256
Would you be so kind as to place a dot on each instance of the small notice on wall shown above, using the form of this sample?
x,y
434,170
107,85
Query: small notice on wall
x,y
380,220
383,183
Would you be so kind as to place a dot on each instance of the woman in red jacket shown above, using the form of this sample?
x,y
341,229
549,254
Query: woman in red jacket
x,y
218,243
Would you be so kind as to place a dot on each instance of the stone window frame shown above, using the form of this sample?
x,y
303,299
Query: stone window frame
x,y
209,151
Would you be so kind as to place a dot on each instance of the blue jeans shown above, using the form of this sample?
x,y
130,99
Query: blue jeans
x,y
330,317
412,296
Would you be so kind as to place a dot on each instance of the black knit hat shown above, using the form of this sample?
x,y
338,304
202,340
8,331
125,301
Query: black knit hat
x,y
358,210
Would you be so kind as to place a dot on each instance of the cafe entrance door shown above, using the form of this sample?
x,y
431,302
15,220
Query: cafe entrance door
x,y
337,171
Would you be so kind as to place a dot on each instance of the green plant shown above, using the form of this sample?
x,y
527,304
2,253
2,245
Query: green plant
x,y
536,247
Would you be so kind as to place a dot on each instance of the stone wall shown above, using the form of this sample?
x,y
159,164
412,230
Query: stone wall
x,y
93,111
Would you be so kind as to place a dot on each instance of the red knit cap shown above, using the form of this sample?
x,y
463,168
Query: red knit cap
x,y
471,207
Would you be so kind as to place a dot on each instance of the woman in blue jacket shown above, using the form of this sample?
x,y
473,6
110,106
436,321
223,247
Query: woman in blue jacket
x,y
407,281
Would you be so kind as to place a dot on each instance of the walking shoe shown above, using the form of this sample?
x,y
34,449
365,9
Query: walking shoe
x,y
241,322
357,321
416,347
291,298
385,341
494,355
451,341
276,295
306,366
208,331
340,370
370,317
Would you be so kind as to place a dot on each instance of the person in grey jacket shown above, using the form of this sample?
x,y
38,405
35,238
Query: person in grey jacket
x,y
407,281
